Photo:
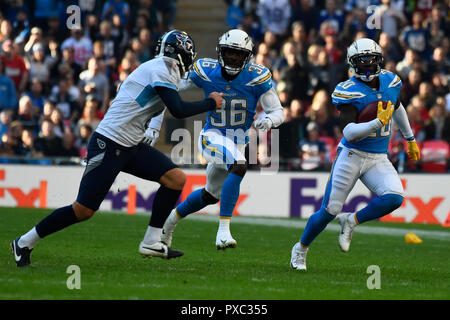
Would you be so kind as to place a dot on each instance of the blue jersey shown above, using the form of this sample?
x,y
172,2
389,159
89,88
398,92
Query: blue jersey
x,y
241,96
357,93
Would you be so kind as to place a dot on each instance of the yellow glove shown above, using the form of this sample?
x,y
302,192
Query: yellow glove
x,y
413,150
385,115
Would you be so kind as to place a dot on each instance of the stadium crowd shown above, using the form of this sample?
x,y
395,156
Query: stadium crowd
x,y
56,83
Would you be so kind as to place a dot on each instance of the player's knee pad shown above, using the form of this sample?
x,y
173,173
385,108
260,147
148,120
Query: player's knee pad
x,y
238,169
334,207
208,198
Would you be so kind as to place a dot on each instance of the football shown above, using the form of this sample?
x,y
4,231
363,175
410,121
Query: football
x,y
369,112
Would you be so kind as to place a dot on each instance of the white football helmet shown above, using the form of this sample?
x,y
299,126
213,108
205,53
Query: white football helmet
x,y
365,57
234,50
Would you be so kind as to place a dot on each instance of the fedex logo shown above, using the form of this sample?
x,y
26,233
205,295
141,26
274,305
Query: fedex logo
x,y
425,209
22,198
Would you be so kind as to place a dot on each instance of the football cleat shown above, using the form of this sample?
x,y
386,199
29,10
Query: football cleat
x,y
298,257
168,228
21,255
158,249
225,240
347,228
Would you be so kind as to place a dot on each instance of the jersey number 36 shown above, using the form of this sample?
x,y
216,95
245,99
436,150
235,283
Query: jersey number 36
x,y
232,114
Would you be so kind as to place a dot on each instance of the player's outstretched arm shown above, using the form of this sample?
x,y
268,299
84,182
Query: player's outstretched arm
x,y
274,111
183,109
401,120
351,130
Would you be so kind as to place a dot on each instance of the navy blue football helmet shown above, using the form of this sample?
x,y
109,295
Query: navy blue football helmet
x,y
178,45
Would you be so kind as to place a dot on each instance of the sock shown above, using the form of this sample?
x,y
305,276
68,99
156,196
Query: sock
x,y
29,239
224,224
152,235
193,203
59,219
315,225
230,194
164,202
378,207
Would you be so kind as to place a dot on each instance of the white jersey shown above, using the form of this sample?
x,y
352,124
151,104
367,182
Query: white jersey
x,y
136,101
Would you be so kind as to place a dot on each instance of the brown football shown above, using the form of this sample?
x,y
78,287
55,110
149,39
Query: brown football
x,y
369,112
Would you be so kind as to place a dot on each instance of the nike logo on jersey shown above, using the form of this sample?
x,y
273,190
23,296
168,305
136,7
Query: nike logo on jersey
x,y
223,241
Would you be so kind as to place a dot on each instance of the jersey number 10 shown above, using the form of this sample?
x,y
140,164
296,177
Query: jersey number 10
x,y
232,114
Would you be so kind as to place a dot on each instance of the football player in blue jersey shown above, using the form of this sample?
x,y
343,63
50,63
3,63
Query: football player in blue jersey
x,y
225,135
362,152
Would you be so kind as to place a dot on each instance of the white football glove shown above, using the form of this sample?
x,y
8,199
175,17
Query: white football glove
x,y
264,124
151,136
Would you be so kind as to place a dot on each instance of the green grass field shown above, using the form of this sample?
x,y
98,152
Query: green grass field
x,y
105,249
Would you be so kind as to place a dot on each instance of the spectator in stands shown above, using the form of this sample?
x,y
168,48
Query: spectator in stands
x,y
438,126
6,30
110,41
308,14
36,95
27,115
39,65
389,49
47,111
296,78
312,150
90,115
9,145
67,60
64,101
85,132
6,117
93,81
416,37
168,9
440,84
68,144
391,18
147,7
82,46
28,146
407,64
410,86
36,36
14,66
274,16
51,144
333,15
145,37
59,123
322,115
118,7
439,63
300,40
8,99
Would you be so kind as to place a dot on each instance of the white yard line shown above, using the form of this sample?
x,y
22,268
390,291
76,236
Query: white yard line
x,y
300,224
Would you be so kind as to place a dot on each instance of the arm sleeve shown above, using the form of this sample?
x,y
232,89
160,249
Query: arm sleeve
x,y
401,120
182,109
156,122
272,107
358,131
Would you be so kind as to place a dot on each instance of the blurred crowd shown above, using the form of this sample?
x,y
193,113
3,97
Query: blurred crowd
x,y
60,66
56,80
304,43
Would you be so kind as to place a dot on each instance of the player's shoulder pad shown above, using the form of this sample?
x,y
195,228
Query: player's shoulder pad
x,y
202,67
391,78
346,91
257,74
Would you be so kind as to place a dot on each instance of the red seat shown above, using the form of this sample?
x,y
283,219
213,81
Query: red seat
x,y
435,154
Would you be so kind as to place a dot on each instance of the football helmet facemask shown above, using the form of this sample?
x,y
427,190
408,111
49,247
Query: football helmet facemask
x,y
364,57
178,45
234,50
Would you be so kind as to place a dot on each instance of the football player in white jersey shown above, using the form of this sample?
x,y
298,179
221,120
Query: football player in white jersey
x,y
117,146
225,135
362,152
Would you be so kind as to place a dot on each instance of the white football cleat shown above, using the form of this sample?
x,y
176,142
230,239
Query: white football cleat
x,y
158,249
347,228
225,240
298,257
169,227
